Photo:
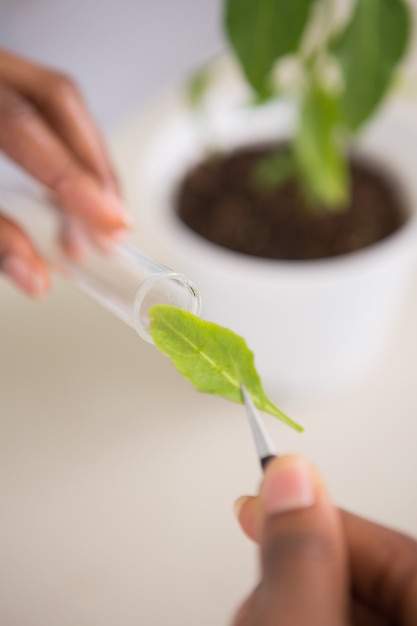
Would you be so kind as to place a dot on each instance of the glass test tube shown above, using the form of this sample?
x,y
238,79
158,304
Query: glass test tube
x,y
126,281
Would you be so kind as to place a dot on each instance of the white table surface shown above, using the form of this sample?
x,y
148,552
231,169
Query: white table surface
x,y
117,478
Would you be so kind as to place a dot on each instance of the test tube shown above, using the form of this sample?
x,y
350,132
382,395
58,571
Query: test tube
x,y
128,283
125,281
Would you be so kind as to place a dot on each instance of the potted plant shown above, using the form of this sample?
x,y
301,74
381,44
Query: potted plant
x,y
291,201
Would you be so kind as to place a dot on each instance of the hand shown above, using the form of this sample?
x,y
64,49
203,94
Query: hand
x,y
47,130
322,566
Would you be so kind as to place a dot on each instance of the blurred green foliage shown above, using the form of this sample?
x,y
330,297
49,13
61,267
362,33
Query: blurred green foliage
x,y
346,72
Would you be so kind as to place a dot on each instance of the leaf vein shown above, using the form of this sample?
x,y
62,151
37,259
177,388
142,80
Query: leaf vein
x,y
200,350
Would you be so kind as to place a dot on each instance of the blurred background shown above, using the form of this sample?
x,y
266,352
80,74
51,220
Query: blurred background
x,y
116,478
120,52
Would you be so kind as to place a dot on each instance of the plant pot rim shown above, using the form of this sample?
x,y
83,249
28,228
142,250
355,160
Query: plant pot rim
x,y
202,251
175,235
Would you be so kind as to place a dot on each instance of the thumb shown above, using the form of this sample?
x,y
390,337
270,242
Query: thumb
x,y
304,564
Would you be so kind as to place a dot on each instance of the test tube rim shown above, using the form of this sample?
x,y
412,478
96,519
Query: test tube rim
x,y
144,289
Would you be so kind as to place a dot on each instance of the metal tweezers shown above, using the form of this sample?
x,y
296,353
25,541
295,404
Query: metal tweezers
x,y
263,442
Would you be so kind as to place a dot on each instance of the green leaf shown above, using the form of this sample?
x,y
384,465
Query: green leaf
x,y
274,169
198,85
319,155
213,358
369,50
263,31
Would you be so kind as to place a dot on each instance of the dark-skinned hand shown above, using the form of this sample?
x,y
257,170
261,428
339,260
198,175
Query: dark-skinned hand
x,y
47,130
322,566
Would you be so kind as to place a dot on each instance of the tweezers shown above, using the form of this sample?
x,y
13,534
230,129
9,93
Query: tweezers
x,y
263,442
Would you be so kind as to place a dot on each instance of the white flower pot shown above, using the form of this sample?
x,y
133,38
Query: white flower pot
x,y
317,326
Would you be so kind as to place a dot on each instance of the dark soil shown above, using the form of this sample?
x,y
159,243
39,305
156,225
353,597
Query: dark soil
x,y
219,200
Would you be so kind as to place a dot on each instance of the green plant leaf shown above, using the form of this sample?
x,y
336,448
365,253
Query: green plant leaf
x,y
213,358
274,169
198,86
369,50
319,155
263,31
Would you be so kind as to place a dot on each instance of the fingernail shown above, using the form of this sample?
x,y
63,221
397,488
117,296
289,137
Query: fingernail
x,y
118,207
288,486
23,275
237,507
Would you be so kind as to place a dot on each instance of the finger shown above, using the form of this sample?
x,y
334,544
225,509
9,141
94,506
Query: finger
x,y
60,102
360,534
26,139
246,610
384,568
78,241
20,261
363,616
302,549
249,515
